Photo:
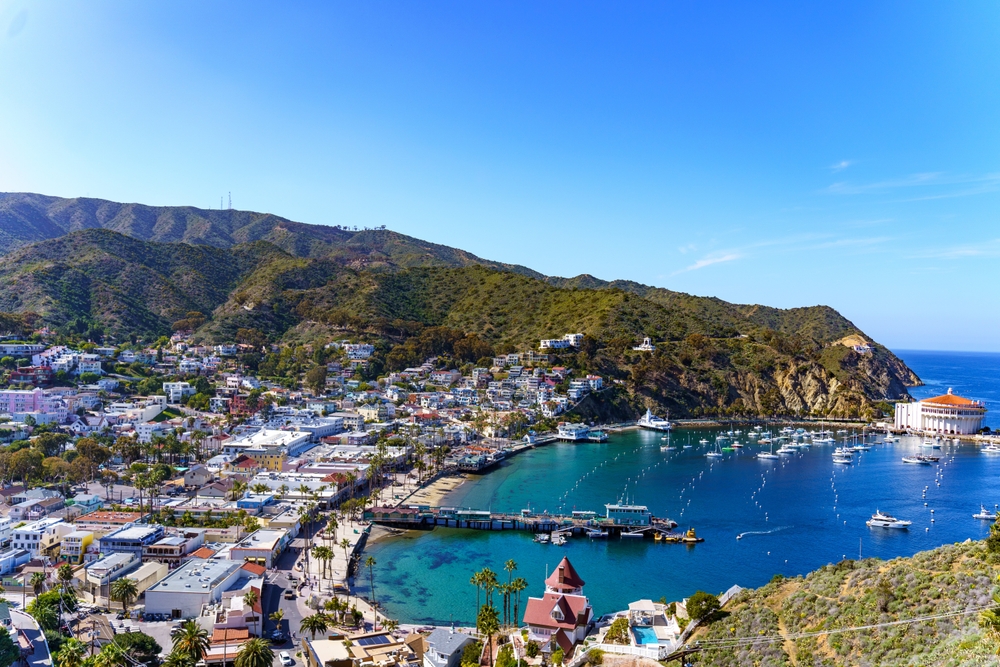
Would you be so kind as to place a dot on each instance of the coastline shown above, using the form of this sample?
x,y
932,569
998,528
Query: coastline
x,y
436,492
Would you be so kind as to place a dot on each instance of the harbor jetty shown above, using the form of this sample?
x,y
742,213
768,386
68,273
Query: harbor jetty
x,y
618,520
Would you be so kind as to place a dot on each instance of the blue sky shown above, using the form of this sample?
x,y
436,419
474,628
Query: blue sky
x,y
780,153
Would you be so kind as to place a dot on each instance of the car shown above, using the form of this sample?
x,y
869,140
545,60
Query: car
x,y
289,594
279,637
285,658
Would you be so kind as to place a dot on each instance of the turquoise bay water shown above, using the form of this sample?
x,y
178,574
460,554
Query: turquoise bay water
x,y
798,514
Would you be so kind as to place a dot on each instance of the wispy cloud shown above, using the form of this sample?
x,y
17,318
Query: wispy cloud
x,y
841,166
685,249
709,260
937,184
989,248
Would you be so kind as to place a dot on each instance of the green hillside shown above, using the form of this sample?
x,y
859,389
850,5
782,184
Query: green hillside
x,y
809,620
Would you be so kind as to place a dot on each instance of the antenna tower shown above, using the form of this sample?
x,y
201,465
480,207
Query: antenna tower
x,y
230,201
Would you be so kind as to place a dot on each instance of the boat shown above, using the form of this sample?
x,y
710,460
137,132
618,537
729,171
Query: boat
x,y
880,520
843,455
658,536
786,450
667,448
727,449
717,454
916,459
984,514
990,449
593,533
691,538
768,455
703,441
652,422
542,538
634,534
929,459
737,445
558,539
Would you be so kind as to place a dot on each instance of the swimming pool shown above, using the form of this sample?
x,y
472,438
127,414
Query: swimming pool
x,y
644,635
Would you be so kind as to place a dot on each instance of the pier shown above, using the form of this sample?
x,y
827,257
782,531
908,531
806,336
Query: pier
x,y
423,517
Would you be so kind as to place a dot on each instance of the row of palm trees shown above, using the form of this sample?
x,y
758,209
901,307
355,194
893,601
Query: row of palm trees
x,y
488,620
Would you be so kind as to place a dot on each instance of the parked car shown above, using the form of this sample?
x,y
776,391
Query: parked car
x,y
279,637
285,658
289,594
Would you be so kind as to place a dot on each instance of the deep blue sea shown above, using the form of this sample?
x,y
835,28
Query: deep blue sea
x,y
798,513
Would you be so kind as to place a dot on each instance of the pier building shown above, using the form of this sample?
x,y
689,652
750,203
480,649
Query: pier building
x,y
946,414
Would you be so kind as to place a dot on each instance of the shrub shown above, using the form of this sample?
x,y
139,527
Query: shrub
x,y
595,656
532,649
618,632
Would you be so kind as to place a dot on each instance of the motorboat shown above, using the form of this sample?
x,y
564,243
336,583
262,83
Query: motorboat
x,y
990,449
767,455
593,533
558,539
786,450
881,520
737,445
651,421
842,455
542,538
920,460
667,448
984,514
703,441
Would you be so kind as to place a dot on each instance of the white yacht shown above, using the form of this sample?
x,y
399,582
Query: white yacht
x,y
920,460
786,450
651,421
984,514
990,449
768,455
880,520
842,455
703,441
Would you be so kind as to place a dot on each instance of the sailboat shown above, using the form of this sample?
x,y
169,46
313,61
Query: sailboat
x,y
769,454
717,454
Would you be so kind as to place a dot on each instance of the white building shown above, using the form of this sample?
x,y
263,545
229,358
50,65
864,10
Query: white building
x,y
262,547
177,391
553,343
947,413
573,432
37,535
647,346
198,582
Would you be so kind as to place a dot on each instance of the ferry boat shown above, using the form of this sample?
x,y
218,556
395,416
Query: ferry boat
x,y
880,520
652,422
984,514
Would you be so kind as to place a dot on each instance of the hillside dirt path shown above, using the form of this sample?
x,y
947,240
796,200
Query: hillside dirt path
x,y
774,604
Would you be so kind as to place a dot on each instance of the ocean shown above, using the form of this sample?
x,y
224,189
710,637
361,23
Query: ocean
x,y
795,514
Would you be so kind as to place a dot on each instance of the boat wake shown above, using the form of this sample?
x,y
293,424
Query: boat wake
x,y
761,532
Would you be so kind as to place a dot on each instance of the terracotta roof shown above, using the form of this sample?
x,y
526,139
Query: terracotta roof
x,y
565,643
949,399
203,552
257,605
564,577
538,611
253,568
230,635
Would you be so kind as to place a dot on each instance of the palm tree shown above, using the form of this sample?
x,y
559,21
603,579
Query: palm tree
x,y
177,659
238,489
488,623
477,581
276,617
283,489
489,584
518,585
192,641
254,653
110,656
315,623
250,599
71,654
124,590
509,566
38,583
370,564
260,488
65,575
324,555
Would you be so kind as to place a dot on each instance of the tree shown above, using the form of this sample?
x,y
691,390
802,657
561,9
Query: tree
x,y
315,623
509,566
488,623
38,583
557,656
316,379
254,653
65,575
531,649
250,598
140,647
124,590
71,654
276,617
618,632
471,653
701,605
192,641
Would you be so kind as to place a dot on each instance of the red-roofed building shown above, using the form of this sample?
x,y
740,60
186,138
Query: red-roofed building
x,y
203,552
947,414
562,615
254,569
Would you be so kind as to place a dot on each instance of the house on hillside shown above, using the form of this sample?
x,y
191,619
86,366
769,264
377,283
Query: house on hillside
x,y
561,617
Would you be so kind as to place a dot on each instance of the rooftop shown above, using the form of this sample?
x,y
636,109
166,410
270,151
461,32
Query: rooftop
x,y
952,400
133,533
262,539
196,575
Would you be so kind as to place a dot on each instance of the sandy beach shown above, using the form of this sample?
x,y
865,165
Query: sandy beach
x,y
435,492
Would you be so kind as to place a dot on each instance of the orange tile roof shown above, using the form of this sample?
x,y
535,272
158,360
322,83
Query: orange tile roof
x,y
253,568
949,399
203,552
223,635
